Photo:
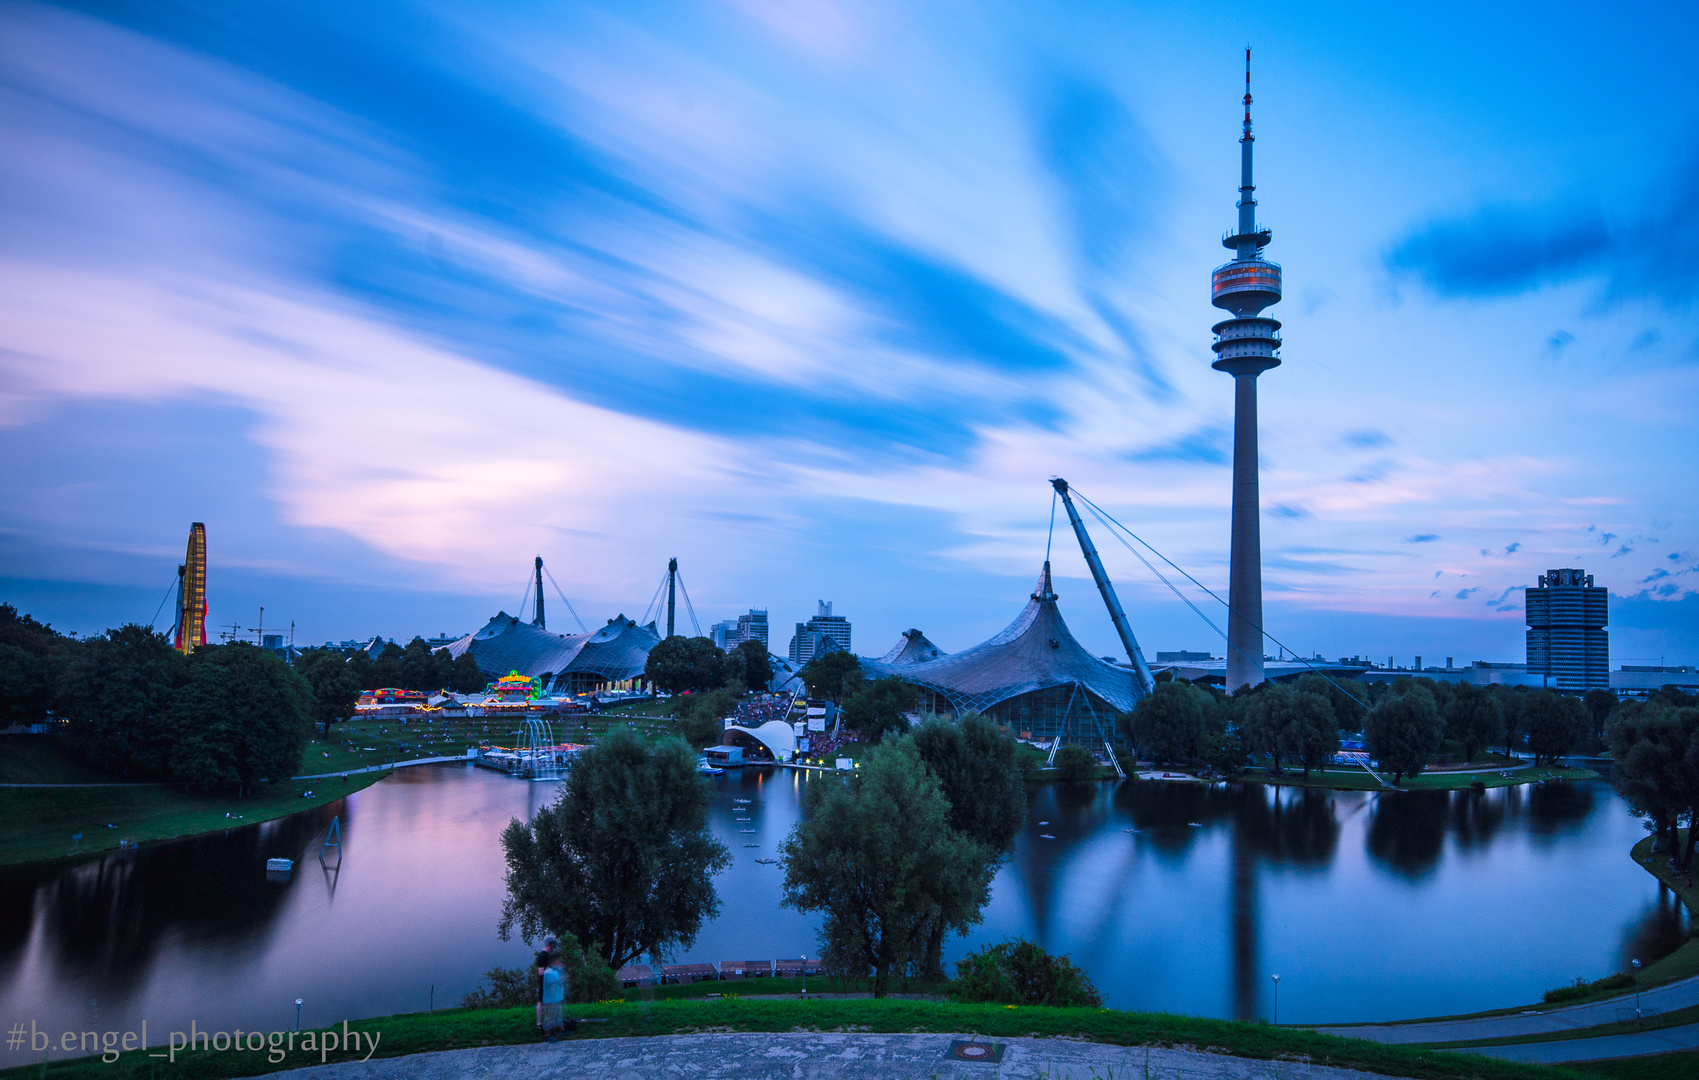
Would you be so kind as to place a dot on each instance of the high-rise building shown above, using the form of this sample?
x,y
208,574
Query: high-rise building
x,y
1245,346
1567,640
751,626
724,634
806,642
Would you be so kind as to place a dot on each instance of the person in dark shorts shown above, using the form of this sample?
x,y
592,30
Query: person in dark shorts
x,y
545,960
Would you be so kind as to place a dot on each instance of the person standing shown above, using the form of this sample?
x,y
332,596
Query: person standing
x,y
553,997
545,960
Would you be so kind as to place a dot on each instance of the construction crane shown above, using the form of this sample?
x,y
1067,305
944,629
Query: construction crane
x,y
1141,670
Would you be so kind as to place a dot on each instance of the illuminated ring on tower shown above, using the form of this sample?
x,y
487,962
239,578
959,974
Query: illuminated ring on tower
x,y
1245,287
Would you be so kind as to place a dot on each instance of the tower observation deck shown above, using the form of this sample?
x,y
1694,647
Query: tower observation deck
x,y
1246,346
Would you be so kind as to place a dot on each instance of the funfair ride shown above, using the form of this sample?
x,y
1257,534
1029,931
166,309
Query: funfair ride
x,y
190,632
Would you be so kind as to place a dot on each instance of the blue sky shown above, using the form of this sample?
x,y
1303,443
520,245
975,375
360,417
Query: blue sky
x,y
816,296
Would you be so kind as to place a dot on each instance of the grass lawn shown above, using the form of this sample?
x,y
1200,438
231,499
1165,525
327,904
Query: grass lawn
x,y
459,1028
37,823
1679,1066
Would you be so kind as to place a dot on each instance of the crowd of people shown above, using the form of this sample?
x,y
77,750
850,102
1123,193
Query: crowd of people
x,y
760,709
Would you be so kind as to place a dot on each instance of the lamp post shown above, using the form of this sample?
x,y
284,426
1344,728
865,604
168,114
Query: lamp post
x,y
805,975
297,1014
1277,999
1636,964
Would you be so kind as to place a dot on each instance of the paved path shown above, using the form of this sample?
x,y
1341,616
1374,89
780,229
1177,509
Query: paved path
x,y
462,759
1685,1037
1666,998
811,1056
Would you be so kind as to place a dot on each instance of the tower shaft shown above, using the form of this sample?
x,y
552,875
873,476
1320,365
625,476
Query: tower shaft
x,y
1244,583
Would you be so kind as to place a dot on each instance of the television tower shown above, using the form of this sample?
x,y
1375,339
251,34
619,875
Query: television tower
x,y
1245,347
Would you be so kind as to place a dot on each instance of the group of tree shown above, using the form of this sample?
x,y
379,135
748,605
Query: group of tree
x,y
871,709
126,702
895,856
415,667
901,852
1655,744
694,665
1404,722
1286,722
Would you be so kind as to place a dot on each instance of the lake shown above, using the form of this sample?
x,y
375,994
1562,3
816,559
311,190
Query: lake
x,y
1176,897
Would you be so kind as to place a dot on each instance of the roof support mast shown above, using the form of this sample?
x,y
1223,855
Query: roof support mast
x,y
1110,600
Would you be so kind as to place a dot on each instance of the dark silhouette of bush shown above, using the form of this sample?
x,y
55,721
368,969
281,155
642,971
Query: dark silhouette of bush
x,y
1017,972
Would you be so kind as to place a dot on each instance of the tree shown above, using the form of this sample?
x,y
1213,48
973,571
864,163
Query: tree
x,y
1510,703
1168,724
1656,749
1472,717
1348,697
1074,762
1555,723
243,716
678,665
336,688
877,856
465,676
1284,722
386,667
360,664
623,858
702,716
978,767
29,655
835,675
1260,720
1310,734
1599,703
423,668
1020,973
1225,752
117,692
751,659
1404,730
880,707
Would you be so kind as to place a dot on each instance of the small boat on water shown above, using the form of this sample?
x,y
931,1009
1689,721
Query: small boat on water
x,y
706,769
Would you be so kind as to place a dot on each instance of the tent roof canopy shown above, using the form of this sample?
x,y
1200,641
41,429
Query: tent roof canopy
x,y
1035,652
616,652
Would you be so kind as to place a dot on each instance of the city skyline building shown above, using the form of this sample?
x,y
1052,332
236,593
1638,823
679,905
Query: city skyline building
x,y
1567,642
807,642
750,626
1245,346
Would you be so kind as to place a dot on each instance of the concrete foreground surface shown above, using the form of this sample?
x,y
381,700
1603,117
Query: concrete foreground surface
x,y
814,1056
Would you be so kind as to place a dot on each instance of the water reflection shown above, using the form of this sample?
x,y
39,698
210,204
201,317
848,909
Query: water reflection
x,y
1183,897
